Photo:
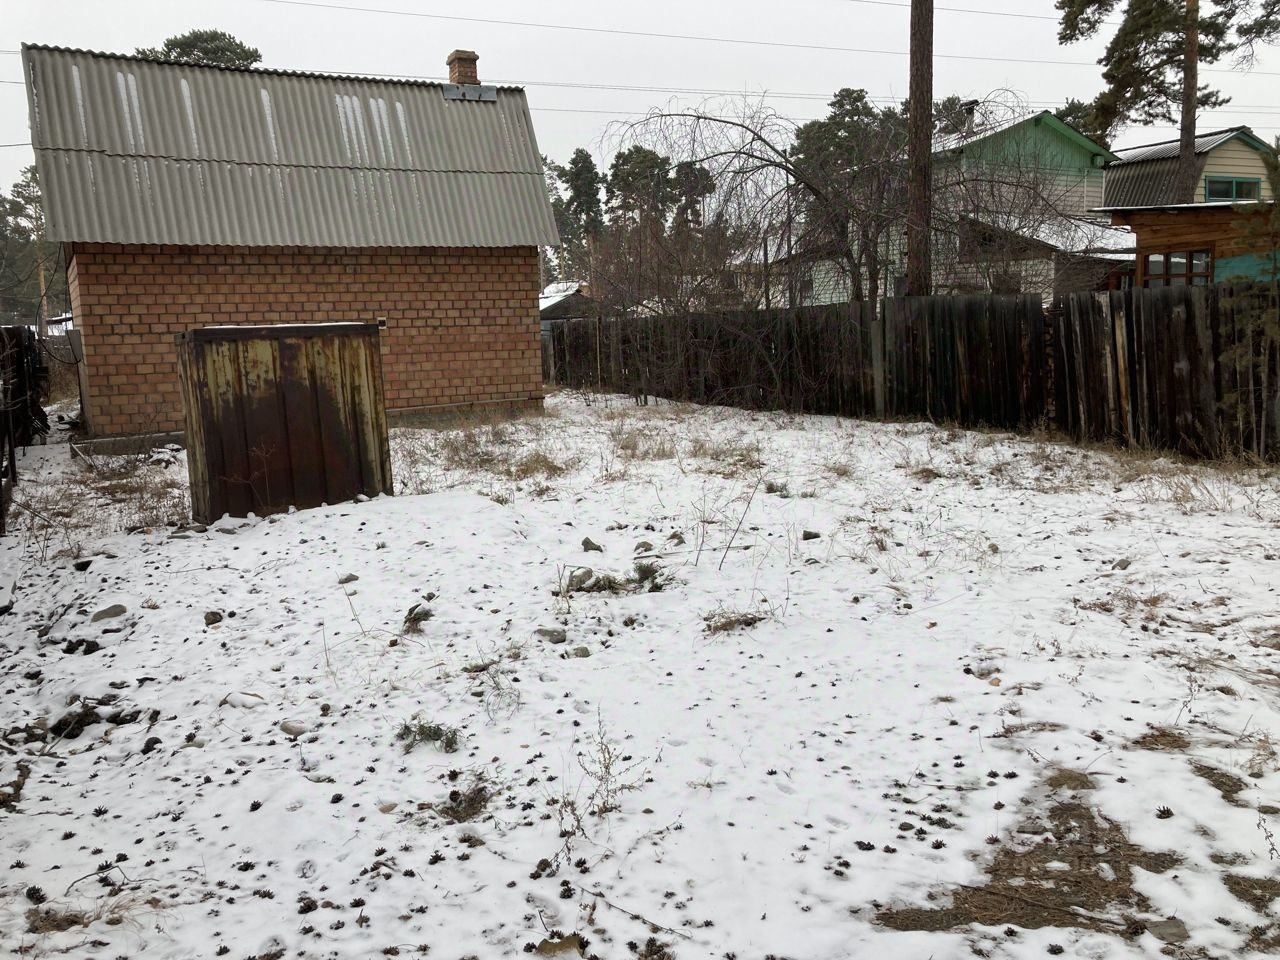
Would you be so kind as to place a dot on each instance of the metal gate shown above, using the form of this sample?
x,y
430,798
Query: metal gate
x,y
282,415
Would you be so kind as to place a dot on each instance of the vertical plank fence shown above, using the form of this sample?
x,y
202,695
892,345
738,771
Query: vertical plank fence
x,y
1191,369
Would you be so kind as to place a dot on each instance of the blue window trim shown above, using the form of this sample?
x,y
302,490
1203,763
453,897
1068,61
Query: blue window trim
x,y
1235,184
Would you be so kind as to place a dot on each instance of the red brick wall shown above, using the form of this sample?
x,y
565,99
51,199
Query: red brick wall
x,y
462,324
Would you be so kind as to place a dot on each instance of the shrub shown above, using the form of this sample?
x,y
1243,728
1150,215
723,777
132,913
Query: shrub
x,y
416,731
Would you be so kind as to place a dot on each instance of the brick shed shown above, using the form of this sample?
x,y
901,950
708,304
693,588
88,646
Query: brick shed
x,y
191,195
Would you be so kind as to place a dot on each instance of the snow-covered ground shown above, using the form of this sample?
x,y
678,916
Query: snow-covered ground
x,y
829,689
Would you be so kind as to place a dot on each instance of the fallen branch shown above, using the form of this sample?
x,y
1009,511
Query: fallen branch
x,y
634,916
96,873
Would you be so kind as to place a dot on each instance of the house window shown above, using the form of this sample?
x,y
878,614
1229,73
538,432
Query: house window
x,y
1179,268
1232,188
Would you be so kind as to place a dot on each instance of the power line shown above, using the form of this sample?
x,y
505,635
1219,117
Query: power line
x,y
701,38
1255,109
1261,110
970,10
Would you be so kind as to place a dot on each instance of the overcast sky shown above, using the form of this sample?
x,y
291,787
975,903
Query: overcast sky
x,y
559,65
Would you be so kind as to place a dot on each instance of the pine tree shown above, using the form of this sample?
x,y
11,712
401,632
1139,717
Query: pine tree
x,y
574,190
213,47
640,186
1152,61
691,183
33,284
1078,114
583,180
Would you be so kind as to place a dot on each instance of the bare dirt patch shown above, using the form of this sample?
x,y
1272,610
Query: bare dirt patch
x,y
1079,875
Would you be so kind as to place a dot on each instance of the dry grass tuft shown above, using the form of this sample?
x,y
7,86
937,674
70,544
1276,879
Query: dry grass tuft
x,y
55,920
467,803
726,621
1033,726
101,497
535,464
1162,738
633,443
732,457
1065,778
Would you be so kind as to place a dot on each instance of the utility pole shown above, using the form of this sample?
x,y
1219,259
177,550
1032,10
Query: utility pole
x,y
920,149
1188,173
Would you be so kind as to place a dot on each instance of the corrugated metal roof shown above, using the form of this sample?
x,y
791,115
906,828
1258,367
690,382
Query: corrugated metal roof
x,y
981,131
1169,148
141,151
1150,183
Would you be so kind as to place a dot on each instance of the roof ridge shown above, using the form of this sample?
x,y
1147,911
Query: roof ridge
x,y
1199,136
269,71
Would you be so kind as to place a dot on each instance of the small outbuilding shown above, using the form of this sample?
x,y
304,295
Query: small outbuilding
x,y
190,195
1199,244
566,300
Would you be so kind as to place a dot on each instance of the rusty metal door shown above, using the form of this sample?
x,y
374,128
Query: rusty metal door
x,y
282,415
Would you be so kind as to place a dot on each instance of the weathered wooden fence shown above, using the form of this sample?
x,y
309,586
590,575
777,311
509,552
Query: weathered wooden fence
x,y
23,385
1193,369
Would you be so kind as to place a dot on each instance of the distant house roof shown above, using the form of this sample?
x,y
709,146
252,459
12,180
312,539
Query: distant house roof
x,y
566,300
982,131
1073,236
1146,175
131,150
1205,142
553,293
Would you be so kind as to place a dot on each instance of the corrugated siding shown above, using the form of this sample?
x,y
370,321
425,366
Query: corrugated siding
x,y
132,151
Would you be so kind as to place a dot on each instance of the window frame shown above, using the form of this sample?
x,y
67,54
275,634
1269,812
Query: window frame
x,y
1235,188
1187,275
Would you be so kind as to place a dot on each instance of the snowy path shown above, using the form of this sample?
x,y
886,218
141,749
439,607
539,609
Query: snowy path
x,y
962,641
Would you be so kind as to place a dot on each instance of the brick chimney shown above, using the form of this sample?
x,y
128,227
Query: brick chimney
x,y
462,67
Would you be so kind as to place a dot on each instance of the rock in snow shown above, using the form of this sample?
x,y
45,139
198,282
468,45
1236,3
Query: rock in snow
x,y
110,613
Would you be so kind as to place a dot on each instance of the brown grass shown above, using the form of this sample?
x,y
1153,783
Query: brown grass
x,y
53,920
1227,784
726,621
535,464
1065,778
1023,890
1162,738
732,458
634,443
1257,892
